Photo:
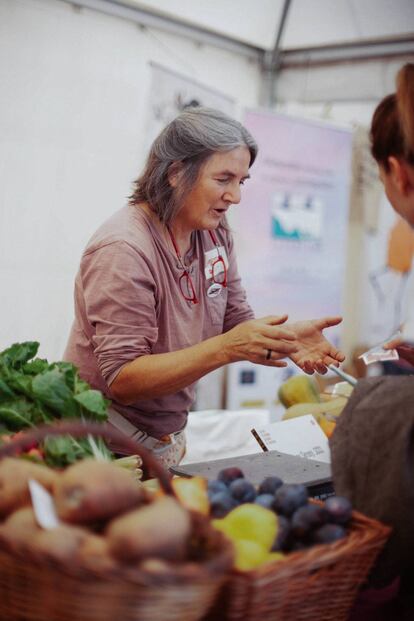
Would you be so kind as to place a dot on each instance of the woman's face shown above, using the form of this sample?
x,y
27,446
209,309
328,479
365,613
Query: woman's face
x,y
398,184
216,189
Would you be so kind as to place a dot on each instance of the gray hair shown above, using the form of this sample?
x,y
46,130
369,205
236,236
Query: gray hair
x,y
188,141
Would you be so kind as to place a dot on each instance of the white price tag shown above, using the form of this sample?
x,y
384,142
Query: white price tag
x,y
301,436
43,506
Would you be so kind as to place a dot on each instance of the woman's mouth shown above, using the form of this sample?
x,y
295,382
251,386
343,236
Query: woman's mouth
x,y
220,212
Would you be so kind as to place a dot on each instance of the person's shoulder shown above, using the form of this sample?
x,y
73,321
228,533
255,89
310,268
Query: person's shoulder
x,y
126,227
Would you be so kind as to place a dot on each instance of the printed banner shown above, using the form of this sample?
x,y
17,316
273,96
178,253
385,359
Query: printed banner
x,y
291,227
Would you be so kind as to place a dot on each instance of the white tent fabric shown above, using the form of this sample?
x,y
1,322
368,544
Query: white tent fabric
x,y
309,22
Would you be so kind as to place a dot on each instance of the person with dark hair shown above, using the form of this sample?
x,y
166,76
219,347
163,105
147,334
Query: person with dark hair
x,y
372,447
158,299
392,146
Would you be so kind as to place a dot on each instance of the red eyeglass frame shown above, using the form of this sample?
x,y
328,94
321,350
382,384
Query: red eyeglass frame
x,y
186,274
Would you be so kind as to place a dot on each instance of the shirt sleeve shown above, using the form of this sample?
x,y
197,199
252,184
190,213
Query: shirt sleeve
x,y
120,297
237,309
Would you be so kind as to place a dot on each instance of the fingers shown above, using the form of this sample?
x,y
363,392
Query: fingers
x,y
335,356
393,344
279,346
272,332
275,320
328,322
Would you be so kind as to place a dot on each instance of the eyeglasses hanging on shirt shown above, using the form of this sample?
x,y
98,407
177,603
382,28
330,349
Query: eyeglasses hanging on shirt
x,y
217,269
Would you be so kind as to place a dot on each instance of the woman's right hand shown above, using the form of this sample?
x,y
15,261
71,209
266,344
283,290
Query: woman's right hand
x,y
252,340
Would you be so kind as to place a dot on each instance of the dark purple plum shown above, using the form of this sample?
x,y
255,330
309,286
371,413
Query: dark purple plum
x,y
283,539
288,498
308,518
269,485
265,500
242,490
339,509
328,533
216,486
230,474
221,503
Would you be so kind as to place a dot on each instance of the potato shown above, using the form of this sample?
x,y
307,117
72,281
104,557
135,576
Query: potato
x,y
14,477
19,529
93,491
161,529
94,555
60,544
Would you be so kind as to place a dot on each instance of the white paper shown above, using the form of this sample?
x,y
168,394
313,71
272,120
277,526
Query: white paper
x,y
43,506
301,436
379,354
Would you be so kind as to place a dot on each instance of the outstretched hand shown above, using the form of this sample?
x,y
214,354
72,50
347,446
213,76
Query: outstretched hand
x,y
315,352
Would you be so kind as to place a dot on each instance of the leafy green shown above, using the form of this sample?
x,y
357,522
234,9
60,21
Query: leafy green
x,y
94,403
19,353
34,391
63,450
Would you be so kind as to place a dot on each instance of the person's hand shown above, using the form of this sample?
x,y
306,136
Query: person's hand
x,y
405,351
315,352
262,341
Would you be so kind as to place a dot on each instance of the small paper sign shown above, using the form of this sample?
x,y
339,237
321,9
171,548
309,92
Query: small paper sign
x,y
43,506
301,436
379,354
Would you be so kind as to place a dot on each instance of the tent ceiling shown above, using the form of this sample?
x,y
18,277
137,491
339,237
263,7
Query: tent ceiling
x,y
310,23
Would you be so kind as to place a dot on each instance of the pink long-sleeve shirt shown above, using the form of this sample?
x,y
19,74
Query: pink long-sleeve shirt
x,y
128,304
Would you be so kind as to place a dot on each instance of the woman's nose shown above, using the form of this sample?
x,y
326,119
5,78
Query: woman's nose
x,y
233,194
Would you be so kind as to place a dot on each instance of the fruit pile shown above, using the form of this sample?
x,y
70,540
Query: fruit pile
x,y
300,396
275,519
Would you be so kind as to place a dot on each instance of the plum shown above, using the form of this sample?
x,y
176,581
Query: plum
x,y
221,503
339,509
269,485
283,538
308,518
216,486
230,474
242,490
328,533
265,500
288,498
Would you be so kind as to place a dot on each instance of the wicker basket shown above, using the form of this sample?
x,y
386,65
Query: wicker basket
x,y
31,590
317,584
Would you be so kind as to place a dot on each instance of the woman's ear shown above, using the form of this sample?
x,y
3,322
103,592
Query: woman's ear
x,y
399,175
174,174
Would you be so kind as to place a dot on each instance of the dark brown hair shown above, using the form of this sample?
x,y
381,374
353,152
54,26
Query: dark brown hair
x,y
405,104
392,125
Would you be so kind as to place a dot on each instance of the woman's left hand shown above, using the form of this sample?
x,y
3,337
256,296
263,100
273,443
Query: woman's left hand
x,y
315,352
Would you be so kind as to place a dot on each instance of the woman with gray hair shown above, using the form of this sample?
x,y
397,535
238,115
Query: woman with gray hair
x,y
158,298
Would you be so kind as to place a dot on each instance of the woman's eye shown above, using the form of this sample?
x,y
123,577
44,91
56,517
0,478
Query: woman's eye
x,y
222,180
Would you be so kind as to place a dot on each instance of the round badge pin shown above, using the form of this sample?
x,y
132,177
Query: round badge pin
x,y
214,290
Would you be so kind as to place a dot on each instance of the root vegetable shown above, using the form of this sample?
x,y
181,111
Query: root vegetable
x,y
59,545
161,529
19,529
14,477
92,491
94,555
